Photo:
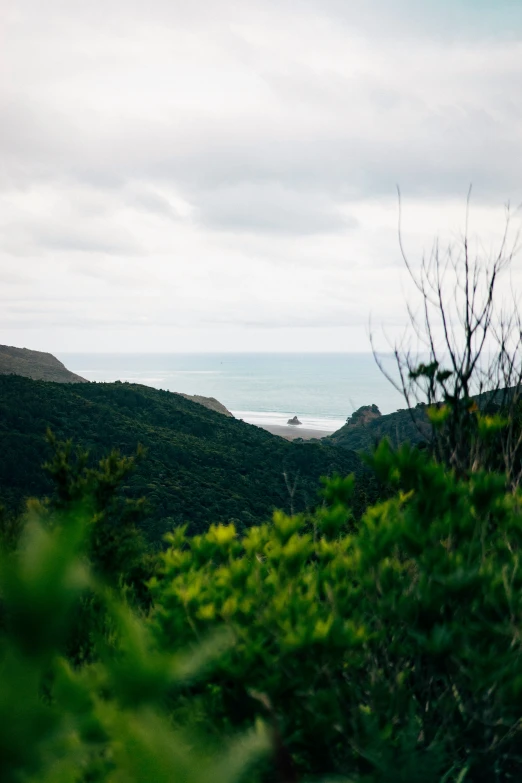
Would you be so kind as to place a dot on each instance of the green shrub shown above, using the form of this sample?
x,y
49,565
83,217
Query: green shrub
x,y
104,721
381,649
390,651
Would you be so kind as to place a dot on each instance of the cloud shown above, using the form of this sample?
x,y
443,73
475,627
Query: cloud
x,y
310,105
238,163
60,228
154,202
270,208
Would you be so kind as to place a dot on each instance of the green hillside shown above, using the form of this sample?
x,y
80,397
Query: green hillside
x,y
200,466
363,432
366,427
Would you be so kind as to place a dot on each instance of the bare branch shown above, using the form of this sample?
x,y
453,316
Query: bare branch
x,y
476,365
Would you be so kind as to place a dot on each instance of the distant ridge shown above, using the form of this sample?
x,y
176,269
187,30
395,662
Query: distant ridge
x,y
41,366
208,402
367,426
37,365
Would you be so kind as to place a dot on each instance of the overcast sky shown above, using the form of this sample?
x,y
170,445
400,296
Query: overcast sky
x,y
210,175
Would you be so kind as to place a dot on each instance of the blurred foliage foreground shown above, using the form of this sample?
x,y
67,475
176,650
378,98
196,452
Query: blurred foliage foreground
x,y
311,647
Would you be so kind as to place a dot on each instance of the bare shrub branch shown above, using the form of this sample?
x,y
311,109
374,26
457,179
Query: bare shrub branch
x,y
460,362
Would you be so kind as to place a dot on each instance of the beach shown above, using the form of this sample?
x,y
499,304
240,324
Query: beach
x,y
291,432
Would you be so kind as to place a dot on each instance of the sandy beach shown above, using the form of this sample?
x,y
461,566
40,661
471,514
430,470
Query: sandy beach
x,y
290,432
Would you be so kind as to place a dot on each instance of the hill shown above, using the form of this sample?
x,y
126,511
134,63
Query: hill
x,y
367,426
37,365
200,467
42,366
208,402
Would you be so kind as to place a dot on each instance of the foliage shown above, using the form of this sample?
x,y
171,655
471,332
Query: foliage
x,y
201,466
99,722
377,648
388,650
117,551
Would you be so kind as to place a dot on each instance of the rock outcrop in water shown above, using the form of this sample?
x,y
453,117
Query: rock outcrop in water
x,y
294,421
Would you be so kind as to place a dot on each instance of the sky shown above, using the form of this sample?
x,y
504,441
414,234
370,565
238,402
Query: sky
x,y
222,176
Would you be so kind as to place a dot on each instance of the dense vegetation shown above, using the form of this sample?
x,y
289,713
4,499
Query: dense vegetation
x,y
361,433
388,649
373,647
200,466
102,719
380,649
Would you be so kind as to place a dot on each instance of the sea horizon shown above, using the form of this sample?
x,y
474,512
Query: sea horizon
x,y
262,388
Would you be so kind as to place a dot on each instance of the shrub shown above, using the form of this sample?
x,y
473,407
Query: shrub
x,y
391,651
99,722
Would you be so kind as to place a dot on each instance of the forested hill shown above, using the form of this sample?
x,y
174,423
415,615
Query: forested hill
x,y
35,364
367,427
200,467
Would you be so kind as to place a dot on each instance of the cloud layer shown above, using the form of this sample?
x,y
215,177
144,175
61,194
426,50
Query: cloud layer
x,y
221,175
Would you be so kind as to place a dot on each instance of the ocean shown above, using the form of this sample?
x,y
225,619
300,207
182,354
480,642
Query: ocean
x,y
322,390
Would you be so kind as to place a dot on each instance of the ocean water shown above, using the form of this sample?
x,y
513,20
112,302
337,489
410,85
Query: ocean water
x,y
322,390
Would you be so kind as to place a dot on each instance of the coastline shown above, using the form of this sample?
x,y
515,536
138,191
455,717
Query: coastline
x,y
291,432
275,422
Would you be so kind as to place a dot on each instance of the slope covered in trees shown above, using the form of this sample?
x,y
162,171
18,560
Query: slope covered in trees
x,y
364,432
200,466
